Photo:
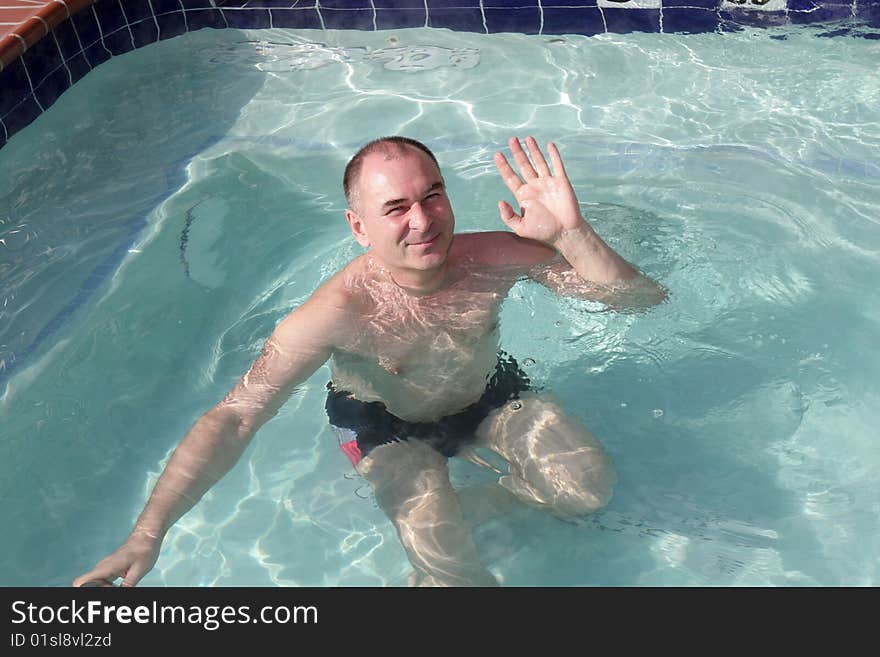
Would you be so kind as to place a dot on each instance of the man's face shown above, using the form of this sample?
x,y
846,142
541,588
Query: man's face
x,y
402,212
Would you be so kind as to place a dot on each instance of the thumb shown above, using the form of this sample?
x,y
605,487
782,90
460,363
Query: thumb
x,y
508,216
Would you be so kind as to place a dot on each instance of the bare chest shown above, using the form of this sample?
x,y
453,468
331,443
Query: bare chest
x,y
423,360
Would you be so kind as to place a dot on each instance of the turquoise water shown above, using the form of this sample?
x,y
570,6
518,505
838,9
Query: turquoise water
x,y
173,206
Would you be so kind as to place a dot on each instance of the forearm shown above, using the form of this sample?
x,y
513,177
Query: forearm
x,y
591,258
604,275
204,456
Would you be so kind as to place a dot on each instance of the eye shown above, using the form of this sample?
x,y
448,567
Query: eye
x,y
396,211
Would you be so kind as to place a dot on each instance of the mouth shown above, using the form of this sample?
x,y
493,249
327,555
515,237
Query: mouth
x,y
425,242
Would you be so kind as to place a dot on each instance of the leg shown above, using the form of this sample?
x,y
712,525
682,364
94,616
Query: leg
x,y
411,483
555,463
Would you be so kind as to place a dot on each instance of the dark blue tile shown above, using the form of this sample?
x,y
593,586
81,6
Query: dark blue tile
x,y
512,3
282,4
119,42
705,4
96,54
67,40
14,86
732,26
144,32
755,18
299,18
245,19
171,25
392,19
346,4
622,21
109,15
196,4
137,10
802,4
21,115
461,20
348,19
580,20
689,21
823,13
201,18
871,15
399,4
165,6
87,27
55,84
41,59
452,4
78,66
525,21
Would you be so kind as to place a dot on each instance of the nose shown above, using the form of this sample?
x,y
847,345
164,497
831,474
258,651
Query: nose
x,y
418,218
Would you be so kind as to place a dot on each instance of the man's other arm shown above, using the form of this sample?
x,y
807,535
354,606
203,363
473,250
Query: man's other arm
x,y
298,346
551,218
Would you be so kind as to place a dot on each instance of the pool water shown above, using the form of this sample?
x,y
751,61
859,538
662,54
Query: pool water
x,y
175,204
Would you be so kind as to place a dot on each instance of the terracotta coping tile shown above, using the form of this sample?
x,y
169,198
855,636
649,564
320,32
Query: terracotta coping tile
x,y
35,22
12,16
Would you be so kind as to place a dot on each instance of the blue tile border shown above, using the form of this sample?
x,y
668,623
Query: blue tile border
x,y
113,27
567,20
628,20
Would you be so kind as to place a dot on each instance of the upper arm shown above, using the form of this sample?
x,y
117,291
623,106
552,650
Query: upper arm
x,y
299,345
547,267
504,249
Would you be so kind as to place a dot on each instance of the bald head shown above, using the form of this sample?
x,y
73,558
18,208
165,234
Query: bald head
x,y
390,148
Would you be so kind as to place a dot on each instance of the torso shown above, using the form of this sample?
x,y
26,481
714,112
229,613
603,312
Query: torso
x,y
424,357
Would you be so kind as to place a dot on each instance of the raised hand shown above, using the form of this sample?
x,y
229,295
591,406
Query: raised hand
x,y
549,204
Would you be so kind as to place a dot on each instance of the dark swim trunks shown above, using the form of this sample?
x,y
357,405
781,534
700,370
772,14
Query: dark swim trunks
x,y
374,425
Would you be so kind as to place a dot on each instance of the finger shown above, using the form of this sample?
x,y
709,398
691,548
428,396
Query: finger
x,y
537,157
97,577
508,216
512,180
134,575
556,159
521,159
97,584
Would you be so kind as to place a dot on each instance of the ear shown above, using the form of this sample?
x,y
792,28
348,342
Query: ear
x,y
358,229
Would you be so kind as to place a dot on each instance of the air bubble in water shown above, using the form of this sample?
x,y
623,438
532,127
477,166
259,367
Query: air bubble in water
x,y
516,405
657,412
528,362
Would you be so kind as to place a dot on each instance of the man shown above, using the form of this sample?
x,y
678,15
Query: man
x,y
411,327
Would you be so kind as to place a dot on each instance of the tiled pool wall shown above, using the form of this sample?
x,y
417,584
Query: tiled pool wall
x,y
65,39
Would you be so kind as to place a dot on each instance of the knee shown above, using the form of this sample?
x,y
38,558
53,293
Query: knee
x,y
578,503
584,488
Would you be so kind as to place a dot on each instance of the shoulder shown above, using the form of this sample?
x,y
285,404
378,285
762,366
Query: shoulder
x,y
328,310
501,248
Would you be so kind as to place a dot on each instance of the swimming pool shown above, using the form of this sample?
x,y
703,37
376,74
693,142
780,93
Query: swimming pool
x,y
190,211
